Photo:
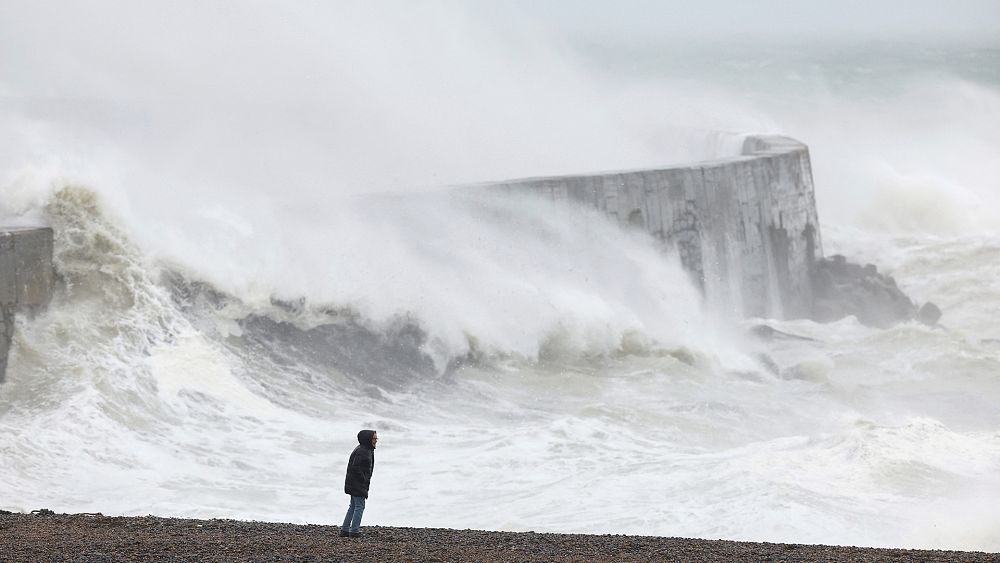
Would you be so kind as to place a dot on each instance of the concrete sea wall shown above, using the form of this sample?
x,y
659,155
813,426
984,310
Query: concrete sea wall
x,y
744,227
26,277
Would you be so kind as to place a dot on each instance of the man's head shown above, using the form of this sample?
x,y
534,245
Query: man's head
x,y
368,438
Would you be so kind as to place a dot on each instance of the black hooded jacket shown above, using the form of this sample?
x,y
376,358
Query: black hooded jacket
x,y
361,465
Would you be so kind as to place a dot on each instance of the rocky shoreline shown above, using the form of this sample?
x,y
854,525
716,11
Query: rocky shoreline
x,y
45,536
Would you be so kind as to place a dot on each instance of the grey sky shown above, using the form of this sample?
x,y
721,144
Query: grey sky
x,y
377,95
870,19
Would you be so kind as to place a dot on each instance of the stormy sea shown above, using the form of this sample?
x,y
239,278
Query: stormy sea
x,y
268,237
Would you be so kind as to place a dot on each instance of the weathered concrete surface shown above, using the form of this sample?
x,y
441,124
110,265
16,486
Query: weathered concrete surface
x,y
25,279
745,227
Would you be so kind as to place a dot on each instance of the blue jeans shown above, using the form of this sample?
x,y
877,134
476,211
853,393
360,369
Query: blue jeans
x,y
352,522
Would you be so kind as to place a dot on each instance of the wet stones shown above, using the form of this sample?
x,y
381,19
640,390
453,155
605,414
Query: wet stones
x,y
842,288
68,537
929,314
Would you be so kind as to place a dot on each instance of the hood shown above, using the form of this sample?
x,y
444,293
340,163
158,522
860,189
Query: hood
x,y
365,438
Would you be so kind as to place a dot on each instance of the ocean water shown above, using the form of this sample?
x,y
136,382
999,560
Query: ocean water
x,y
255,263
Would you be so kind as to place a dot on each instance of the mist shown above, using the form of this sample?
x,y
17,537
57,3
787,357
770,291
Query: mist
x,y
314,98
161,105
228,142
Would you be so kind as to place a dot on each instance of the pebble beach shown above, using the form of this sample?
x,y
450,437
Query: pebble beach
x,y
46,536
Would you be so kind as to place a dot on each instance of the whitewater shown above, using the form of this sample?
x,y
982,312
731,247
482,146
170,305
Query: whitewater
x,y
264,246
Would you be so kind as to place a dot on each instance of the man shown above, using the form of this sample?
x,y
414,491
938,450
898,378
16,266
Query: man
x,y
359,476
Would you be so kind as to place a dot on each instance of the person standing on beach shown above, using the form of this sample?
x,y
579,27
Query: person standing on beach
x,y
359,476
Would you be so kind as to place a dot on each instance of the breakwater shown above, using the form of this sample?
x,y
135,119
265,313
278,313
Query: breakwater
x,y
26,277
745,227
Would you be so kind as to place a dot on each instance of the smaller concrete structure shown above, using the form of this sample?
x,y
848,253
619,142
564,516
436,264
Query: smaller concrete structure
x,y
26,277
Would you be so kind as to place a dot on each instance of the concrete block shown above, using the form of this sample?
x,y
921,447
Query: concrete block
x,y
26,278
33,268
8,279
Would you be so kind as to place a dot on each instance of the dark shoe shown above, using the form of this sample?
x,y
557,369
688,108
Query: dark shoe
x,y
357,535
345,534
